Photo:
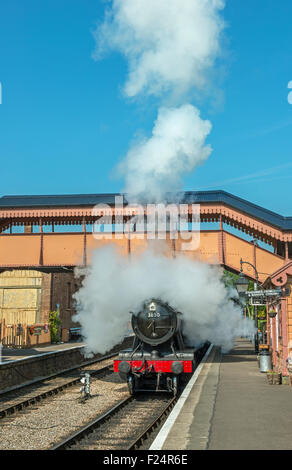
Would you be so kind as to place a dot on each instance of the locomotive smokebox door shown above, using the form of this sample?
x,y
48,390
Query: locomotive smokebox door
x,y
156,323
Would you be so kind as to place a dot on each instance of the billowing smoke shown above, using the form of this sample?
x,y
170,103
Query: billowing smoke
x,y
170,44
176,146
115,285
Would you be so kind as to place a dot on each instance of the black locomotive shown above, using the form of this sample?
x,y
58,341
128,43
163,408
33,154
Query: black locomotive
x,y
159,357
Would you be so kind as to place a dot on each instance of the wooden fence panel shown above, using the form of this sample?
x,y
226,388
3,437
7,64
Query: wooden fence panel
x,y
19,335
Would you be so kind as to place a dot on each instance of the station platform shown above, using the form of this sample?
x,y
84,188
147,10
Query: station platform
x,y
8,355
230,406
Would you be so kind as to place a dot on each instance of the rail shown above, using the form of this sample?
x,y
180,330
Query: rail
x,y
18,405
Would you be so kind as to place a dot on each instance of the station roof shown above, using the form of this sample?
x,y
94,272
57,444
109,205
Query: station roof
x,y
188,197
63,200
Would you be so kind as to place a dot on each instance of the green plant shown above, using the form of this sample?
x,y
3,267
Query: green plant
x,y
54,323
229,278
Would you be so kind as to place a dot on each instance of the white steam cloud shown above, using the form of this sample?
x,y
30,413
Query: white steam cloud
x,y
176,146
114,286
169,44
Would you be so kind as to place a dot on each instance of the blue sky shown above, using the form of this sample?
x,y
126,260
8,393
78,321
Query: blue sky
x,y
65,123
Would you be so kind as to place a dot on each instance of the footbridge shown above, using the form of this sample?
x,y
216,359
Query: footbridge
x,y
57,232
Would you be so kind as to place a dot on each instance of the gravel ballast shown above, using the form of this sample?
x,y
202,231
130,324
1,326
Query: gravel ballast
x,y
44,424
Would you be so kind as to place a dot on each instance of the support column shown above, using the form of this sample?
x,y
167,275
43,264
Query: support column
x,y
129,238
84,243
268,326
42,242
274,341
286,252
254,255
174,244
221,241
28,228
285,339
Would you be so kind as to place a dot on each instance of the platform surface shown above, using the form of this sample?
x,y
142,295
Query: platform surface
x,y
15,354
232,407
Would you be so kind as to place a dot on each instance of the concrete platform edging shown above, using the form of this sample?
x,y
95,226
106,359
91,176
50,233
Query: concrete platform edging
x,y
34,368
36,356
160,439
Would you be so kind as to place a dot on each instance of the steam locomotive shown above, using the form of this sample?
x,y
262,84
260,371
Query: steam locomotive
x,y
159,357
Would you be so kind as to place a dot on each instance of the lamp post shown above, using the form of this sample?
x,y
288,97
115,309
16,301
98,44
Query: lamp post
x,y
256,273
242,286
259,297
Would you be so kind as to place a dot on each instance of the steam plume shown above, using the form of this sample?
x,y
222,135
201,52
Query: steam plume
x,y
176,146
169,44
114,286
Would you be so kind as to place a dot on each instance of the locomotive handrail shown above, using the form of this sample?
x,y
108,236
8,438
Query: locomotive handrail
x,y
141,367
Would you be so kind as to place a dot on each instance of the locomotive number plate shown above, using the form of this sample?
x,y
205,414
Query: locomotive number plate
x,y
153,314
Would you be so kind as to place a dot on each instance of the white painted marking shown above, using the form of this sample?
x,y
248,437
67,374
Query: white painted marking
x,y
162,436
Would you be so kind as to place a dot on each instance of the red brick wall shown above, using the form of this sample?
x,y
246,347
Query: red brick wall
x,y
45,306
58,288
63,286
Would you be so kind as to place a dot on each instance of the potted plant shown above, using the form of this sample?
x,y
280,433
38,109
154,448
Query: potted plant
x,y
276,377
285,380
272,313
270,376
54,323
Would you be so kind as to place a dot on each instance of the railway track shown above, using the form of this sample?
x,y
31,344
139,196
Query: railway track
x,y
17,400
64,422
125,426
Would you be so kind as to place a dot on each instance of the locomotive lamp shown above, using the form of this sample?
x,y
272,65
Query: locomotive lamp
x,y
152,307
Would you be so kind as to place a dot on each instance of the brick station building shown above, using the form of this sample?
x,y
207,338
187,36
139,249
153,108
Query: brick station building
x,y
27,297
279,322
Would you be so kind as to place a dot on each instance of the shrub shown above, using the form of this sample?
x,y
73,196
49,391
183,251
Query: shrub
x,y
54,323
